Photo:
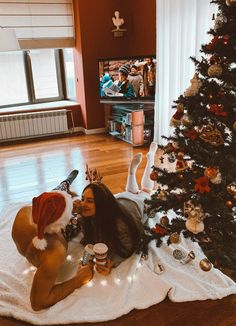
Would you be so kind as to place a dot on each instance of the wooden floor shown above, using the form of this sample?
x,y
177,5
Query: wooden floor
x,y
28,169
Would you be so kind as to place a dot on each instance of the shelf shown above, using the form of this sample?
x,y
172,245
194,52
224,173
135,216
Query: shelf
x,y
114,133
127,102
118,119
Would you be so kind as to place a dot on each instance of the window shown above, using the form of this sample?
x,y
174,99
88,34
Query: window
x,y
13,84
70,73
44,74
34,76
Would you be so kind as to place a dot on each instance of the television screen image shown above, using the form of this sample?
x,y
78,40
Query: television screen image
x,y
130,78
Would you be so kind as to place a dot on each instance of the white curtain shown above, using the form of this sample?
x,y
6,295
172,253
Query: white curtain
x,y
182,27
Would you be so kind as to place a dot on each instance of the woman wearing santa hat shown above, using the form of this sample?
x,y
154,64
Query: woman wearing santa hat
x,y
37,234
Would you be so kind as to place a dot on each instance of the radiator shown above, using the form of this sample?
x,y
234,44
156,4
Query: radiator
x,y
29,125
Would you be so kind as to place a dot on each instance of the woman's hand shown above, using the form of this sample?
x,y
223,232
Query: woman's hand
x,y
84,274
104,269
77,206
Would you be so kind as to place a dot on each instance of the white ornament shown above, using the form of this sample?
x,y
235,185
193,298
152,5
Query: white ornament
x,y
194,226
217,179
219,21
195,216
158,268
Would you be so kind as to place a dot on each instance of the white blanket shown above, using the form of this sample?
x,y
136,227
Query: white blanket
x,y
133,284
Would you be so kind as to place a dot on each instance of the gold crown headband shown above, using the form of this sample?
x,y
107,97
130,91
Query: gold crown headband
x,y
92,175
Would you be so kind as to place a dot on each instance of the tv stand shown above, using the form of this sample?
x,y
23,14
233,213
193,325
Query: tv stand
x,y
130,122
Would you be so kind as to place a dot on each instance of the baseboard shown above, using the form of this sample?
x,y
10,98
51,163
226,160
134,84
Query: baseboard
x,y
89,131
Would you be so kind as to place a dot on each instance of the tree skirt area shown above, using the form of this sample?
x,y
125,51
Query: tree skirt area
x,y
135,283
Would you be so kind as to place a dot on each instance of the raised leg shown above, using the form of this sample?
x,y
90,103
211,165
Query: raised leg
x,y
65,184
147,184
131,184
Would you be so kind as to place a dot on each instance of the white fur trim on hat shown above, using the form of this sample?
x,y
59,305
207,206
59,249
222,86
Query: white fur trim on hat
x,y
40,244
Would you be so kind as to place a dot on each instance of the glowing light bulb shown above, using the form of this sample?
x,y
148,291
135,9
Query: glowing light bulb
x,y
32,268
134,277
26,271
103,282
117,281
89,284
69,257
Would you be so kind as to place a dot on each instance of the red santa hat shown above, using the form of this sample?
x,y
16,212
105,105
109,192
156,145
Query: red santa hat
x,y
51,211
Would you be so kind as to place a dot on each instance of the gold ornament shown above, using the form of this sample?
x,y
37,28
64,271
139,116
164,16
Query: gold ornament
x,y
211,172
181,163
163,195
174,237
210,134
169,148
186,121
230,2
231,188
205,265
229,203
164,221
215,70
234,126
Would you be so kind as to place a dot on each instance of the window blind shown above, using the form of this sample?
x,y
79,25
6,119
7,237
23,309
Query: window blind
x,y
39,23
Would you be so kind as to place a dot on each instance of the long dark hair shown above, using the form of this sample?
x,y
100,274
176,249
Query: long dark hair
x,y
103,226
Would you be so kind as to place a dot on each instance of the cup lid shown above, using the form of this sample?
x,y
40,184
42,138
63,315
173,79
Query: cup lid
x,y
89,249
100,248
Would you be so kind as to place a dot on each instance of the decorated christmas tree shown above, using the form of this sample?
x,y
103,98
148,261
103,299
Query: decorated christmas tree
x,y
202,189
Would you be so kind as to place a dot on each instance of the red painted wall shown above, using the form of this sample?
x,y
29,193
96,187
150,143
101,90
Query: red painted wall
x,y
94,40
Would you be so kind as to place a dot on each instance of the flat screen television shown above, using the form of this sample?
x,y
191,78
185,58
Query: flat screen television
x,y
127,78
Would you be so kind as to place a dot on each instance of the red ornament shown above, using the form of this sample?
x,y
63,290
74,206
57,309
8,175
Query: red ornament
x,y
214,40
153,176
218,109
202,185
211,172
214,59
225,39
190,133
221,93
209,46
158,229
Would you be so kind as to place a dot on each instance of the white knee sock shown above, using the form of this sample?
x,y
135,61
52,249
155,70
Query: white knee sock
x,y
131,184
147,184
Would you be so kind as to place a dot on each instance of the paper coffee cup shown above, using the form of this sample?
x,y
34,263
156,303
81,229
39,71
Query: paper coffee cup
x,y
88,254
100,251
